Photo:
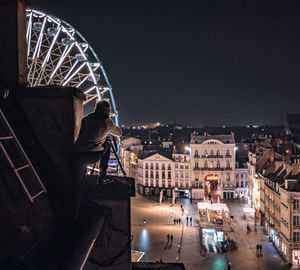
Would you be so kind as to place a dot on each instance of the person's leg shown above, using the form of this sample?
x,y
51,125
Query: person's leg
x,y
105,155
79,162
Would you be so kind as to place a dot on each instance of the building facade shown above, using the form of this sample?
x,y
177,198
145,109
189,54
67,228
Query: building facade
x,y
213,164
208,164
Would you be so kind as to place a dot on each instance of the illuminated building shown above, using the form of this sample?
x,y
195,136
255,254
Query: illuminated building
x,y
213,165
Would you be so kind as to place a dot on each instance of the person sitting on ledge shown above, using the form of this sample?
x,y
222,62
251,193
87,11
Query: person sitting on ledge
x,y
92,146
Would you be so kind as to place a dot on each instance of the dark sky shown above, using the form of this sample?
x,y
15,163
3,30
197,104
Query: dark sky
x,y
201,62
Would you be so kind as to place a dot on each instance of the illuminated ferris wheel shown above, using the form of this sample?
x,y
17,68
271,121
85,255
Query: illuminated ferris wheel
x,y
57,54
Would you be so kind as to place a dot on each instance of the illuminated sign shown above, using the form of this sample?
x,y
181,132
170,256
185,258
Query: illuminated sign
x,y
211,177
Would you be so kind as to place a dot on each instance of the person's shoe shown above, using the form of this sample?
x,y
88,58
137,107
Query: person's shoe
x,y
104,180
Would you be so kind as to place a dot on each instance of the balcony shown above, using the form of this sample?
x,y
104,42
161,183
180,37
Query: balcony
x,y
212,156
196,156
228,156
212,169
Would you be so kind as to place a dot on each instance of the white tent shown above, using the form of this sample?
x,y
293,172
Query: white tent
x,y
204,206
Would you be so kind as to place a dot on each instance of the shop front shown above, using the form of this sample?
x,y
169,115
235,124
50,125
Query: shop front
x,y
296,256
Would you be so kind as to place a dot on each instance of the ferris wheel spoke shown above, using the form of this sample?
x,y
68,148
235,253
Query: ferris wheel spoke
x,y
74,73
28,33
66,52
39,42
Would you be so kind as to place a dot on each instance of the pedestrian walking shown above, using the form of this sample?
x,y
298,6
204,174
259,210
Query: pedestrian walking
x,y
168,236
187,220
174,221
229,265
179,220
191,220
257,250
172,237
260,249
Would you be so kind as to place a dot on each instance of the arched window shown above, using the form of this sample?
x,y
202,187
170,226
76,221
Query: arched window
x,y
205,164
218,152
205,152
211,152
227,164
196,153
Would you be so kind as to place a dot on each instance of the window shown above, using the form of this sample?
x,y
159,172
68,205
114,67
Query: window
x,y
227,164
146,182
205,152
237,176
296,236
169,166
169,175
181,167
151,182
246,184
163,182
186,184
186,166
237,184
242,183
296,204
242,176
218,152
228,176
296,220
176,165
176,184
196,164
211,152
147,166
186,176
181,175
205,164
151,166
151,174
196,153
163,175
163,167
227,153
156,174
211,164
218,164
157,183
157,166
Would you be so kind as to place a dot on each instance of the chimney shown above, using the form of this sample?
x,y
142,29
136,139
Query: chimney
x,y
13,48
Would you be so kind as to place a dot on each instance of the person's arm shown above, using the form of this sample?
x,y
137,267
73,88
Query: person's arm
x,y
113,129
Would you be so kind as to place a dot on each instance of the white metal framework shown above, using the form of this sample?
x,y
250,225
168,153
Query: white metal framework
x,y
58,54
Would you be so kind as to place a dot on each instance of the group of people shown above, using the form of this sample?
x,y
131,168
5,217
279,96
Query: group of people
x,y
170,237
177,221
258,250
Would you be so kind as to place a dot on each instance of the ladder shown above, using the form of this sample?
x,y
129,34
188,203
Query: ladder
x,y
19,161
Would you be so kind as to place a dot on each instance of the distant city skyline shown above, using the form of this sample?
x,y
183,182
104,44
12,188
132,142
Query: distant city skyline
x,y
199,62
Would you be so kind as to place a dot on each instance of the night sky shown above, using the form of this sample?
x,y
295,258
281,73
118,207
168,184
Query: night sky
x,y
197,62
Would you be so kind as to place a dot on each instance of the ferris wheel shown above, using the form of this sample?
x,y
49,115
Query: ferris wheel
x,y
57,54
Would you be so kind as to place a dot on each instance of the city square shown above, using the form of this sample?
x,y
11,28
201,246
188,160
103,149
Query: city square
x,y
151,237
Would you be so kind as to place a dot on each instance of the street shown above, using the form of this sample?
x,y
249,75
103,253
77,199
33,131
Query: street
x,y
151,237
